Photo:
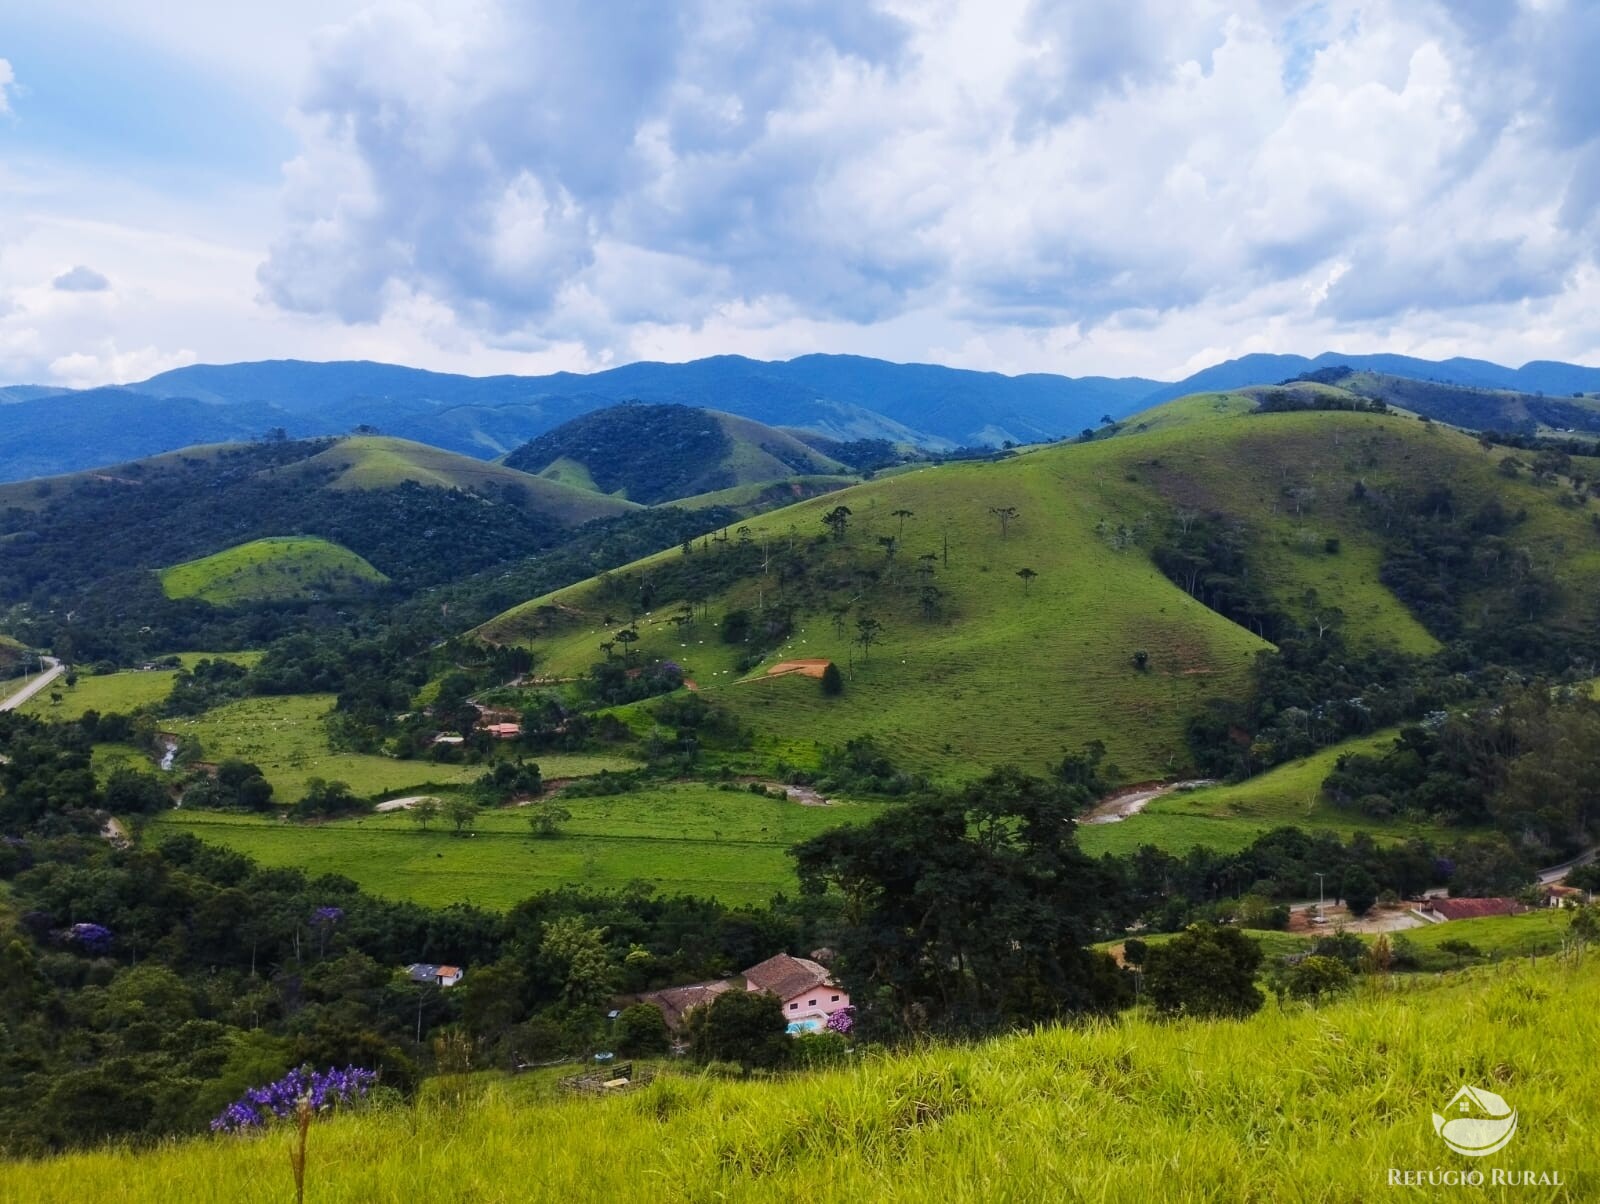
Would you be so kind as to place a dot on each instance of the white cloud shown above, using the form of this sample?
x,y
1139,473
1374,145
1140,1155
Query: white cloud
x,y
1142,186
8,81
1058,168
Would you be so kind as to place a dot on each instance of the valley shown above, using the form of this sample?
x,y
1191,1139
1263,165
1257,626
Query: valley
x,y
667,689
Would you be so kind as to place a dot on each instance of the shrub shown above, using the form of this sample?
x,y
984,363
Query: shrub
x,y
641,1030
747,1027
1316,978
1205,971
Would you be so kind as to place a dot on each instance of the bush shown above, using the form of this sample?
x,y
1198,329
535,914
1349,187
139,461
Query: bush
x,y
1205,971
641,1031
1316,978
832,681
747,1027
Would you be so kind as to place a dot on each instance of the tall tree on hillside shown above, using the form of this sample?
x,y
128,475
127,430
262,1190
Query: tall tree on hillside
x,y
839,615
837,520
1007,515
868,632
1027,576
627,637
902,514
889,544
929,596
967,911
424,811
462,813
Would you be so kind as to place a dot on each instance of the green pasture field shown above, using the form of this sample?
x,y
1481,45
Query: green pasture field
x,y
274,569
287,738
122,692
1533,933
1229,817
680,839
1291,1104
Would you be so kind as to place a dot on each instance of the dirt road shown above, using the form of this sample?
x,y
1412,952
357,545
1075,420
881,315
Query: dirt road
x,y
1115,808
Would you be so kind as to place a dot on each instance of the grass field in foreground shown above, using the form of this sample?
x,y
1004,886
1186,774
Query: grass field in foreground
x,y
682,839
271,570
120,693
1293,1105
1229,817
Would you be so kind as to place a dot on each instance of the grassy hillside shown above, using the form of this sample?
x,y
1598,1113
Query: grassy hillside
x,y
379,462
681,839
11,657
37,492
1293,1105
941,691
1229,817
759,497
120,693
657,454
269,570
942,685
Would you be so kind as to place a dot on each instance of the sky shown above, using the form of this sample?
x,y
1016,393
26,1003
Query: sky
x,y
1138,187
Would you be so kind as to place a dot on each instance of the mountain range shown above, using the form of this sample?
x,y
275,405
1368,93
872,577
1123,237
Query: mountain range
x,y
46,430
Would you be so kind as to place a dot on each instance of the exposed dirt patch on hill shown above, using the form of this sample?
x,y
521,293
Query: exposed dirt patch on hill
x,y
812,667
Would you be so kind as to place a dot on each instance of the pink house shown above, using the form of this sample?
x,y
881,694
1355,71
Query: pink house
x,y
806,989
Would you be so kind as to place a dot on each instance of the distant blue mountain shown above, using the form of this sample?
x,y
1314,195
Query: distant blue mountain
x,y
841,395
1540,376
49,430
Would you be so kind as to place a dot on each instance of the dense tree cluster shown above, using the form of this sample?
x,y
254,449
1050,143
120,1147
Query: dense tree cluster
x,y
646,453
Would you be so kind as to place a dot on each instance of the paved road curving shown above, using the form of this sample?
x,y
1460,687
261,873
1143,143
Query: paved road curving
x,y
55,670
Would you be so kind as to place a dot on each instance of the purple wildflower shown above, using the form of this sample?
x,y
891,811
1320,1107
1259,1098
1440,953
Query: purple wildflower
x,y
842,1021
92,938
259,1106
327,915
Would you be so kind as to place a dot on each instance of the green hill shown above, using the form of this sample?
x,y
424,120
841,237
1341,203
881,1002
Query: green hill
x,y
380,462
1293,1104
270,570
974,665
660,453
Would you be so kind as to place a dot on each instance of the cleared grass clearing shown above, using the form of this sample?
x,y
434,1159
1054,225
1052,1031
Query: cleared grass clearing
x,y
286,737
681,839
1291,1105
276,569
122,692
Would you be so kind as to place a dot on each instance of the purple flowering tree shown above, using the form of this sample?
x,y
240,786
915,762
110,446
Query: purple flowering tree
x,y
325,920
91,938
843,1021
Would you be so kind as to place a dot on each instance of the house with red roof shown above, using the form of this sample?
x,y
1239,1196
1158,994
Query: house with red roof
x,y
1437,911
805,988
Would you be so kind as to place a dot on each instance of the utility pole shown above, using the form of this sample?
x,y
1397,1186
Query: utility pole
x,y
1319,898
